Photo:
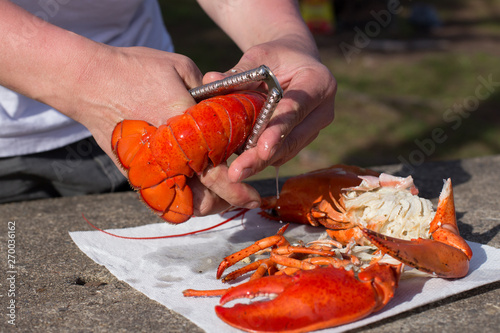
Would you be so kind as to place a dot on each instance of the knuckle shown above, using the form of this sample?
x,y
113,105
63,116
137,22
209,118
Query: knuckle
x,y
187,68
291,145
185,61
210,177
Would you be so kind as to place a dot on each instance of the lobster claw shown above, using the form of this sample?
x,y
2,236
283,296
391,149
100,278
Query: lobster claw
x,y
446,255
310,300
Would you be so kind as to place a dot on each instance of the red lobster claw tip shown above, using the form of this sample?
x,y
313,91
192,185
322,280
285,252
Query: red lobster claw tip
x,y
306,301
426,255
256,316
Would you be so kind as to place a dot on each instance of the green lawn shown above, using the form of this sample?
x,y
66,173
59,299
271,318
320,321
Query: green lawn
x,y
391,107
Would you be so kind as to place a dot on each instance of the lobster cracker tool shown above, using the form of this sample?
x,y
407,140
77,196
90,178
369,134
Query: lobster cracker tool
x,y
259,74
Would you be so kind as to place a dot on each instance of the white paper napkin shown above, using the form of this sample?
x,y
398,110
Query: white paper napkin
x,y
163,268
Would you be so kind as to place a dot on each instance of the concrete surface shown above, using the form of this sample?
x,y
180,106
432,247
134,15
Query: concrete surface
x,y
58,288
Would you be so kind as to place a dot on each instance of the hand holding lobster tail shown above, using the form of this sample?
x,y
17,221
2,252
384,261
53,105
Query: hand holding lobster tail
x,y
159,160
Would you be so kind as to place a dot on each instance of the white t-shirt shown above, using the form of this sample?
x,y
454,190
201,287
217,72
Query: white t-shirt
x,y
28,126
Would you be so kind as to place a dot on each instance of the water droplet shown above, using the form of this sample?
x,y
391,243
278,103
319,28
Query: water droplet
x,y
277,182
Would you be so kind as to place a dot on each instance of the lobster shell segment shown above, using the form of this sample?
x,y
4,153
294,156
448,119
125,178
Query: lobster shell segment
x,y
159,160
310,300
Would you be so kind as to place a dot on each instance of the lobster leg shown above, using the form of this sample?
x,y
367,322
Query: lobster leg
x,y
310,300
280,254
260,267
445,255
262,244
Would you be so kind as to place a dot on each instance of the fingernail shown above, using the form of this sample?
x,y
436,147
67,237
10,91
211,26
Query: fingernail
x,y
245,173
252,205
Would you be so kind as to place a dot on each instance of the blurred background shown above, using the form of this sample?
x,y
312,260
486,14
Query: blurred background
x,y
417,80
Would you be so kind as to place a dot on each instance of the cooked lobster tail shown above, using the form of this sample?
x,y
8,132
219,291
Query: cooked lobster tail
x,y
159,160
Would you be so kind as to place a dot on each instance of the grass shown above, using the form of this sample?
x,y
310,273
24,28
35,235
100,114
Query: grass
x,y
386,103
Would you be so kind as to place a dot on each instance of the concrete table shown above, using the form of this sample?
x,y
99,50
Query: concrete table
x,y
58,288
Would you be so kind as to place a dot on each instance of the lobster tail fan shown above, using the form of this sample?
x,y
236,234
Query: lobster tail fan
x,y
181,208
158,160
167,152
126,128
128,137
158,197
144,171
171,199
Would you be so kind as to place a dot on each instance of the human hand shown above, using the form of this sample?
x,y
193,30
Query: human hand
x,y
306,107
92,83
159,82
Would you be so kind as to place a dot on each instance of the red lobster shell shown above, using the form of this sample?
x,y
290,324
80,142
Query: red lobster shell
x,y
312,286
159,160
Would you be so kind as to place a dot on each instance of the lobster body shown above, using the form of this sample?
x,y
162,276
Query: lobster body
x,y
299,194
159,160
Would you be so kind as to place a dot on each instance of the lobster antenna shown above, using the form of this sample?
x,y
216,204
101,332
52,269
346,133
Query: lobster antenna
x,y
242,212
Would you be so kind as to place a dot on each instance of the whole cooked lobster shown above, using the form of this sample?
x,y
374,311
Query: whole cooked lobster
x,y
377,224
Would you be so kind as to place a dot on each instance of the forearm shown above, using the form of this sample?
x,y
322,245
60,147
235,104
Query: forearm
x,y
250,23
40,60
